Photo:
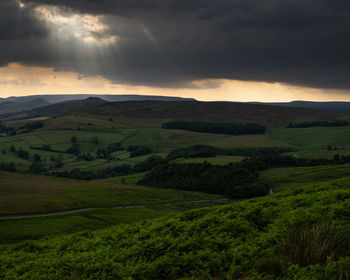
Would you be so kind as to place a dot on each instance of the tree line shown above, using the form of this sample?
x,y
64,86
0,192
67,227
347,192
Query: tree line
x,y
318,123
232,180
196,151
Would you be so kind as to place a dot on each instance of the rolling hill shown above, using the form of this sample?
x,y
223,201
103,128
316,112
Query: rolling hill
x,y
21,105
208,111
53,109
330,106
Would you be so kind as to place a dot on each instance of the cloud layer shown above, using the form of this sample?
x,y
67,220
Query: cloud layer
x,y
171,43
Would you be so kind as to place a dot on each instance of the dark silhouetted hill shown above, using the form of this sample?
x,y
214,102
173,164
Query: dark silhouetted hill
x,y
208,111
21,105
330,106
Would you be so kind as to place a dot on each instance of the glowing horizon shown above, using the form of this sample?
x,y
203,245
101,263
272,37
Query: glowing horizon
x,y
19,80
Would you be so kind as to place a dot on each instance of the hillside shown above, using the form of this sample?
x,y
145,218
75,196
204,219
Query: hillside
x,y
330,106
29,203
55,108
21,105
208,111
252,239
140,123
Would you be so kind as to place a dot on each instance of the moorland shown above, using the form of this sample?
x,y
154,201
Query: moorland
x,y
134,190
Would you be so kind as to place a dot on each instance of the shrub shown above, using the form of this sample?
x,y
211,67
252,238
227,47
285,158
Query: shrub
x,y
308,243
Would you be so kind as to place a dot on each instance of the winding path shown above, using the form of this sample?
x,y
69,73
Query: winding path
x,y
73,211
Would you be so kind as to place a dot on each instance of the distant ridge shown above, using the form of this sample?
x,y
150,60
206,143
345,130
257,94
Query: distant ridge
x,y
16,106
55,108
55,98
208,111
337,106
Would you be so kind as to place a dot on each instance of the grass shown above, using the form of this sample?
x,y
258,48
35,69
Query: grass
x,y
313,141
131,179
240,240
291,177
12,231
20,193
308,243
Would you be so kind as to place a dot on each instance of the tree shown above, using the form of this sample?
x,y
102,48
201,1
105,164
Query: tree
x,y
73,139
37,157
37,167
23,154
95,140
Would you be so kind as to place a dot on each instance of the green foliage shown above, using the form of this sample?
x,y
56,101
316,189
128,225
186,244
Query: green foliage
x,y
233,180
318,123
137,151
37,167
114,147
95,140
43,147
148,164
7,129
74,149
28,127
242,240
219,128
23,154
9,167
308,243
79,174
74,139
196,151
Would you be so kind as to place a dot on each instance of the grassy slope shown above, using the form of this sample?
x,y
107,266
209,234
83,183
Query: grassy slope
x,y
313,141
228,242
291,177
21,193
15,230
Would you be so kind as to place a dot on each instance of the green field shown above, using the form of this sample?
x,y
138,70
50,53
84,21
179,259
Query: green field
x,y
313,141
291,177
25,195
21,193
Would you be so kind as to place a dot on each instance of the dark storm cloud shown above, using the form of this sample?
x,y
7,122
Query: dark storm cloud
x,y
21,34
173,42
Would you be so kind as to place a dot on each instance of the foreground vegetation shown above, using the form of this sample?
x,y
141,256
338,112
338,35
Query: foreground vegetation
x,y
261,238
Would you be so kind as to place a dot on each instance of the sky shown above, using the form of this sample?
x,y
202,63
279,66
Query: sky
x,y
234,50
